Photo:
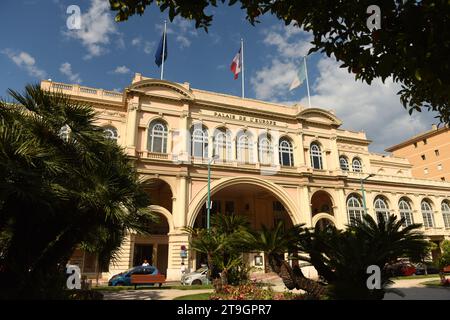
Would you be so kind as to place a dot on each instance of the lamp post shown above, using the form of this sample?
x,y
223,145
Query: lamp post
x,y
362,191
208,201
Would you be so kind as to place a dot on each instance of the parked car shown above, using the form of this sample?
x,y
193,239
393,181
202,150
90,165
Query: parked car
x,y
431,269
124,278
401,268
199,276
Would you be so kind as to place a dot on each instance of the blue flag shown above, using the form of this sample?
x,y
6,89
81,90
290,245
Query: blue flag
x,y
159,51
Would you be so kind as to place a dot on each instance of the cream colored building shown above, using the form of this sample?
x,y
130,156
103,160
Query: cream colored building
x,y
275,162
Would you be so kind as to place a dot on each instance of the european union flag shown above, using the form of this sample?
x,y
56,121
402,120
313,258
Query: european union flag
x,y
159,51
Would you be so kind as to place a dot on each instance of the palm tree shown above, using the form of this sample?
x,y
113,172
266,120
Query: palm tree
x,y
59,191
223,244
275,243
342,257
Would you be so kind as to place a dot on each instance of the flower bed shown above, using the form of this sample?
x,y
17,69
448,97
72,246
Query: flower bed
x,y
251,291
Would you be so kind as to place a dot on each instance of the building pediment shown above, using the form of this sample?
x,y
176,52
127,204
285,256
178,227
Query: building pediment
x,y
162,89
320,116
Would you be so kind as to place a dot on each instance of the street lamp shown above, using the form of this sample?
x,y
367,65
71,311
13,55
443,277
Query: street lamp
x,y
362,191
208,202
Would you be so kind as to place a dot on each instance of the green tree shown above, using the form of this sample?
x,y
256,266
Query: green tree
x,y
223,246
59,191
412,45
342,257
444,259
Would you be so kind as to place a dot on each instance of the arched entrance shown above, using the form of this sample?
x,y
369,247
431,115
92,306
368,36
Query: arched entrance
x,y
261,202
155,247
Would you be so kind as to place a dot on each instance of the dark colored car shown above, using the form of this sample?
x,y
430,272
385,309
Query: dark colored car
x,y
124,278
431,269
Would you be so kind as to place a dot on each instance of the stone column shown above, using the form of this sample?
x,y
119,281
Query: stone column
x,y
180,212
176,240
184,136
304,205
125,259
340,214
299,153
132,125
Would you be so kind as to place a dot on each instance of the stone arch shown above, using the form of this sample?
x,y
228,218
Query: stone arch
x,y
160,191
151,87
323,215
199,200
164,212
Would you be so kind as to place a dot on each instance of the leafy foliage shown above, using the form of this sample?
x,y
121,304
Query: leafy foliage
x,y
412,46
342,257
223,245
58,193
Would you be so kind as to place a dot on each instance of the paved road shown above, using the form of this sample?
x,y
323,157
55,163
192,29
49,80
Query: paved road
x,y
414,290
150,294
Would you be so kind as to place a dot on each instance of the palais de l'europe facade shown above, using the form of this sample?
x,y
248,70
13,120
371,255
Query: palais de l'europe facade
x,y
272,162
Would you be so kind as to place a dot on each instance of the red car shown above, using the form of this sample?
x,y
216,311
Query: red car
x,y
408,270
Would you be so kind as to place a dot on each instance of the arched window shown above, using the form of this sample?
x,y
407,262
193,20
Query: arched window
x,y
64,132
222,145
344,163
356,165
157,137
244,147
405,212
111,133
445,207
427,214
199,139
265,150
286,153
354,209
316,156
381,209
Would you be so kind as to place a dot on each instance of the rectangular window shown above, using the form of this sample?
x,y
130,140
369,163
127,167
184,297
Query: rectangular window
x,y
436,152
415,144
424,141
423,157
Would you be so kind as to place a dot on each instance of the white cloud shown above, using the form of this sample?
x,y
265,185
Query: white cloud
x,y
182,29
147,46
66,69
136,41
272,81
121,70
375,109
183,41
97,25
26,61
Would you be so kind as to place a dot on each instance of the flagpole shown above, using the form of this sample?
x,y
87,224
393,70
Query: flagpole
x,y
242,57
307,82
164,49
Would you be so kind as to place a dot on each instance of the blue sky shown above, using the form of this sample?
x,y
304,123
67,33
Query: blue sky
x,y
36,44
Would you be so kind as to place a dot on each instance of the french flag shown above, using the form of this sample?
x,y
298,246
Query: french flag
x,y
236,64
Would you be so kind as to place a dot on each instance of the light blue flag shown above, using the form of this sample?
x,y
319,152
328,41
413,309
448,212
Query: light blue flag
x,y
299,77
